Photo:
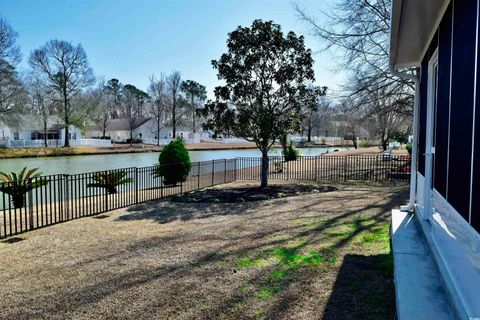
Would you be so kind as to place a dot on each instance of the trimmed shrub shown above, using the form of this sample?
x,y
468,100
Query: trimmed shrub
x,y
408,147
289,151
174,163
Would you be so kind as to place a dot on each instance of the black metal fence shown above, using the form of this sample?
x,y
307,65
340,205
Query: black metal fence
x,y
60,198
329,167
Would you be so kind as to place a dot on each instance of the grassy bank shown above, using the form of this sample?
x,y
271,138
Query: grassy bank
x,y
85,150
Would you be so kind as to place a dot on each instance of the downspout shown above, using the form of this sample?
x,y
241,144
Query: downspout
x,y
416,114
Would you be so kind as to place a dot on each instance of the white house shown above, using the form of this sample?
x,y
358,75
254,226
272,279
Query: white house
x,y
145,129
27,131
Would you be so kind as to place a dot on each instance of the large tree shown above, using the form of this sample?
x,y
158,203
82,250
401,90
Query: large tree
x,y
41,101
196,94
11,89
267,77
134,102
114,89
102,111
67,71
358,34
157,91
174,81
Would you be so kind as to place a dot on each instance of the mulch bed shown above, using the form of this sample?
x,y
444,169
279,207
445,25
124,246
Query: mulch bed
x,y
251,193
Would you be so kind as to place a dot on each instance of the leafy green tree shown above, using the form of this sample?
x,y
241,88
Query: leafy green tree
x,y
174,163
18,184
114,89
268,77
194,92
109,181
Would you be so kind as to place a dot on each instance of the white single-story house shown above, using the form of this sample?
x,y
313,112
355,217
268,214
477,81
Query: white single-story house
x,y
440,39
145,129
26,131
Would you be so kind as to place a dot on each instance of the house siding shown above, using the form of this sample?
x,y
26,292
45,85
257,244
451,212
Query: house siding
x,y
443,104
462,96
475,205
453,128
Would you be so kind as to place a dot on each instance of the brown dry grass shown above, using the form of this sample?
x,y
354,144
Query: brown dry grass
x,y
307,257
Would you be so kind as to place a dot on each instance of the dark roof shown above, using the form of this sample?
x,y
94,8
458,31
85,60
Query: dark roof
x,y
120,124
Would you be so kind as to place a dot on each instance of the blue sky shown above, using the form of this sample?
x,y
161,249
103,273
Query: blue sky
x,y
130,40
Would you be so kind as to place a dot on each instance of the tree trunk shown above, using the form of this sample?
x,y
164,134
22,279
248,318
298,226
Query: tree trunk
x,y
158,131
158,123
67,140
104,131
384,143
309,132
193,117
45,134
65,108
174,118
264,179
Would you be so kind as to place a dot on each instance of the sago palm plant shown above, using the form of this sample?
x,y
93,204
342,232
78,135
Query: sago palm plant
x,y
18,184
109,181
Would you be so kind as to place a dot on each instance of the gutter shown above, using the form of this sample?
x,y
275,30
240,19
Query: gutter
x,y
416,114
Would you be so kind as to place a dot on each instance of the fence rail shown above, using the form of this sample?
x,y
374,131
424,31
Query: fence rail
x,y
60,198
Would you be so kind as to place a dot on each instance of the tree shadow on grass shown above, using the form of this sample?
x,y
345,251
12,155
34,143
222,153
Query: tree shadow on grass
x,y
363,288
165,211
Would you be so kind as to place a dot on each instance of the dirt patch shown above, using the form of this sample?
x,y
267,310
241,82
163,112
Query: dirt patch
x,y
248,193
101,216
13,240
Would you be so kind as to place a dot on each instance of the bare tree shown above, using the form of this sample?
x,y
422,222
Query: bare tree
x,y
382,122
358,32
174,81
11,88
157,92
134,100
313,114
41,101
102,103
66,69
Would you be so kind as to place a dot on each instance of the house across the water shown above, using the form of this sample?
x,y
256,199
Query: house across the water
x,y
27,131
141,129
440,38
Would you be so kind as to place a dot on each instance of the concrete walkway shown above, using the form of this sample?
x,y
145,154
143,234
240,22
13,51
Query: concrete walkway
x,y
418,285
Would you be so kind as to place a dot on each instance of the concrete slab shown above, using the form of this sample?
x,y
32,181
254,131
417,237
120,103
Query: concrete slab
x,y
419,289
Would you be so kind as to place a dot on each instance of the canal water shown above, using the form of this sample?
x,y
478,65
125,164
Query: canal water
x,y
90,163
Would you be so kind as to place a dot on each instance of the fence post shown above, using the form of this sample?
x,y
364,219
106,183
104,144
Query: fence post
x,y
136,185
235,170
199,173
213,172
65,198
30,200
345,168
225,171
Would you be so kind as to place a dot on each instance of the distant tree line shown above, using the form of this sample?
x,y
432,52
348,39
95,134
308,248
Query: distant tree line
x,y
61,82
